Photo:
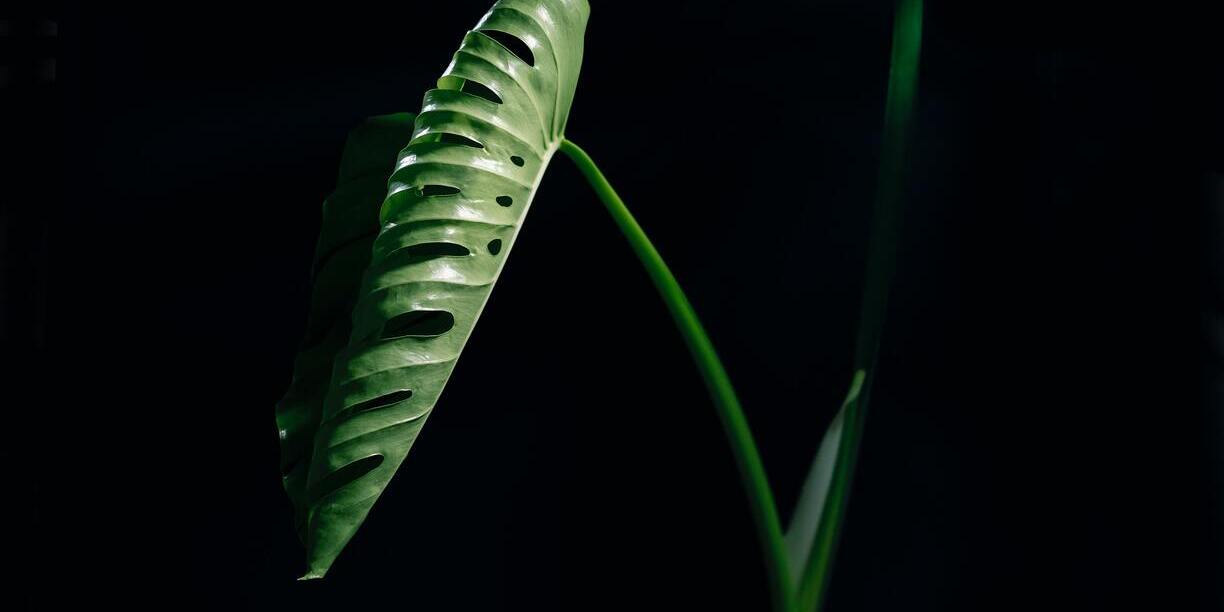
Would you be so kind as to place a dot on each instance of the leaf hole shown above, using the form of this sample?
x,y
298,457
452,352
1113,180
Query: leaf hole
x,y
494,246
505,200
430,250
418,324
513,44
438,190
516,160
381,401
456,139
344,476
480,91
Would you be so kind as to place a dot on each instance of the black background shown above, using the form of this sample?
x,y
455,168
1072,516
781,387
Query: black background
x,y
1039,437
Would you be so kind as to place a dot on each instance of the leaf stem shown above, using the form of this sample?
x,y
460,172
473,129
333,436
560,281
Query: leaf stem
x,y
735,425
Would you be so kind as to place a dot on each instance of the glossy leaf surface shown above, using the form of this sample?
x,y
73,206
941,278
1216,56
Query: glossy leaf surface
x,y
455,203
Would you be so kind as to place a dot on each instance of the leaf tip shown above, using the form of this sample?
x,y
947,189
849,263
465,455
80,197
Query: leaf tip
x,y
313,575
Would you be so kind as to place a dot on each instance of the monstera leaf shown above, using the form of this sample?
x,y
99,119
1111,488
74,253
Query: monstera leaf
x,y
455,203
350,223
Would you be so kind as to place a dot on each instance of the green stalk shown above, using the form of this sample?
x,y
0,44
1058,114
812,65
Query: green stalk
x,y
743,447
881,262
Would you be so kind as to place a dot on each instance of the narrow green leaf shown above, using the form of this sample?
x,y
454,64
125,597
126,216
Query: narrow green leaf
x,y
455,203
825,504
805,522
350,222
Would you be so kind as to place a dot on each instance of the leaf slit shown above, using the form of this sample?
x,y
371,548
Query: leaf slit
x,y
426,251
480,91
418,324
513,44
447,138
438,190
381,401
344,476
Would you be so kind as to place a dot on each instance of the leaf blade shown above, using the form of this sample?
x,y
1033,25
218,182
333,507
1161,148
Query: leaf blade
x,y
444,190
881,262
813,497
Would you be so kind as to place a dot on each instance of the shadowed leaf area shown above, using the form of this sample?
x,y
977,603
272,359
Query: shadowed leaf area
x,y
349,225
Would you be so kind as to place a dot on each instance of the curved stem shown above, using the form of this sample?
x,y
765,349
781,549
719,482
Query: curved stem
x,y
747,459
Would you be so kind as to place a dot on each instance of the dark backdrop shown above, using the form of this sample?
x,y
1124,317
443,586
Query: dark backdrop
x,y
1039,438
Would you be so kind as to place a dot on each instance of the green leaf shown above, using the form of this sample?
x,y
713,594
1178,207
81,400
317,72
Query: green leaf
x,y
808,538
819,517
350,223
455,203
